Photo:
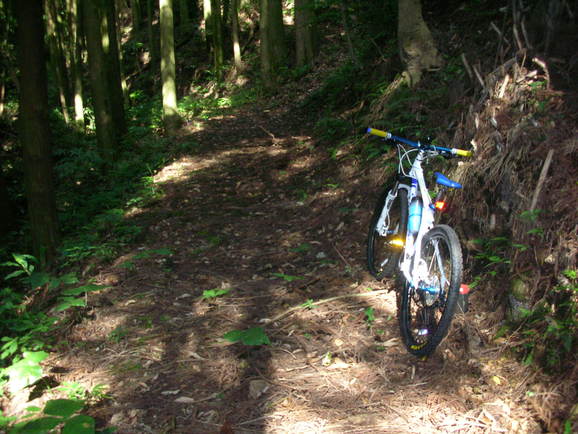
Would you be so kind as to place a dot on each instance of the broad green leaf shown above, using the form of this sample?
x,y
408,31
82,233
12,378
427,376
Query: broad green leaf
x,y
25,371
14,274
63,407
37,426
79,424
255,336
301,248
69,279
91,287
287,277
213,293
162,251
24,261
252,337
142,255
33,409
369,315
39,278
34,356
68,302
233,335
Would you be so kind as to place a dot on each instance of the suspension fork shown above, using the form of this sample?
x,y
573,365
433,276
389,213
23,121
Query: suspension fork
x,y
382,228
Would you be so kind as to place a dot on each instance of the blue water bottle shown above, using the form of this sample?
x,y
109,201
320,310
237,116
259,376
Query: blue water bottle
x,y
415,208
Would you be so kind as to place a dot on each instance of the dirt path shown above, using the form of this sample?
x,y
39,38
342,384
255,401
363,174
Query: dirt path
x,y
258,211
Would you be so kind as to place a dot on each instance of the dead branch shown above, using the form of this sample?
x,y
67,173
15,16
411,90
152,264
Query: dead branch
x,y
319,303
542,178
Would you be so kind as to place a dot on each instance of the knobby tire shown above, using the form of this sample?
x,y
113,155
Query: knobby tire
x,y
424,324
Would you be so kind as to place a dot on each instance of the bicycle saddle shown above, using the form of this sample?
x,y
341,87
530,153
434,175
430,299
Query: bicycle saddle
x,y
443,180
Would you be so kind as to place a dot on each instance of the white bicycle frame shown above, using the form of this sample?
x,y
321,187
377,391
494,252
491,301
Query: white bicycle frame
x,y
412,265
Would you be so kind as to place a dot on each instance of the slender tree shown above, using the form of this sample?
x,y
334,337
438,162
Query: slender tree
x,y
75,55
305,32
106,133
136,15
55,34
153,42
416,44
110,46
237,59
216,24
207,18
7,214
183,12
34,130
273,51
171,117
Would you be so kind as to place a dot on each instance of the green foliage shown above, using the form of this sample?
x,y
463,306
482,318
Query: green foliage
x,y
286,277
494,255
547,333
78,392
302,248
369,316
25,371
330,130
23,325
214,293
309,304
341,87
58,415
254,336
117,335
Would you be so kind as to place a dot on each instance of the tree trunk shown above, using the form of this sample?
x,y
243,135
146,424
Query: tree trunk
x,y
273,53
113,68
238,61
216,24
75,53
207,18
416,45
136,15
305,32
7,215
57,59
183,12
171,117
153,45
106,135
2,92
34,130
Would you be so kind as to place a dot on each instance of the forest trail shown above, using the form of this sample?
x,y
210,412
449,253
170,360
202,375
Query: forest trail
x,y
261,213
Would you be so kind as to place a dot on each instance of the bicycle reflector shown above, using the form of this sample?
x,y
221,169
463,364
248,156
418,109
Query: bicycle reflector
x,y
440,205
397,242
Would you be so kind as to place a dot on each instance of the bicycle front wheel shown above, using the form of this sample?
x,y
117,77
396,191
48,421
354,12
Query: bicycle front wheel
x,y
387,232
426,311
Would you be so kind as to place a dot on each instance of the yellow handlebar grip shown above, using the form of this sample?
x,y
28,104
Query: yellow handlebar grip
x,y
379,133
463,153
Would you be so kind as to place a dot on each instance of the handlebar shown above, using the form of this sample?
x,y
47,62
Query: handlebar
x,y
389,136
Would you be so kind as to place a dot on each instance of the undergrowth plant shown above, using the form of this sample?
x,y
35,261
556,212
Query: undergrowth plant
x,y
542,332
549,329
28,314
58,415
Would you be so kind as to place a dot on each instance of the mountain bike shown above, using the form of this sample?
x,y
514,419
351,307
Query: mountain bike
x,y
405,239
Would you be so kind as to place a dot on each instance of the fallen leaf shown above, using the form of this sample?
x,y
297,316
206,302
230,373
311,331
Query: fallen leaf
x,y
185,400
170,392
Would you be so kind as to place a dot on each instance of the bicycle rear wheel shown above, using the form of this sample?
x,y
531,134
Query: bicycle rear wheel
x,y
386,238
426,311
